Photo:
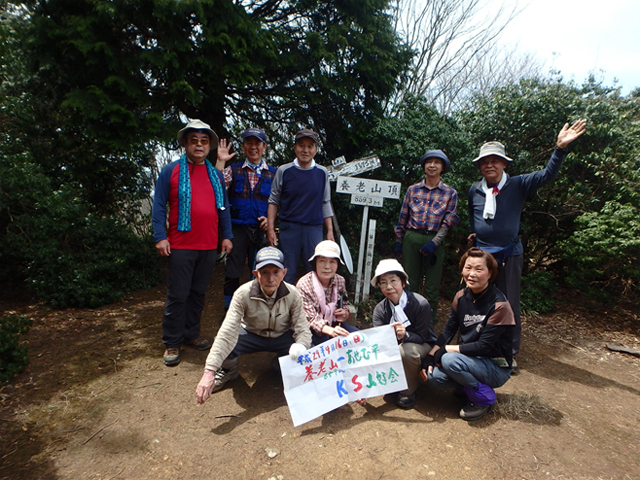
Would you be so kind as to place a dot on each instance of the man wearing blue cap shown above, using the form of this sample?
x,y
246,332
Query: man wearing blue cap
x,y
265,315
248,186
427,214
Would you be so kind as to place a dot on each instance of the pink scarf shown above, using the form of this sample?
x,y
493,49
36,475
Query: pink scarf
x,y
325,310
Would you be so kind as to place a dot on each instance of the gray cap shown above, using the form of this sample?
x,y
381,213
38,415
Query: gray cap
x,y
269,256
306,133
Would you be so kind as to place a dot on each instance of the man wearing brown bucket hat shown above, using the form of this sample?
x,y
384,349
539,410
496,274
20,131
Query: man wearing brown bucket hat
x,y
195,193
495,207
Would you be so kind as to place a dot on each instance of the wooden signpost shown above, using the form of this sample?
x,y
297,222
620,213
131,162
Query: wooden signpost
x,y
370,193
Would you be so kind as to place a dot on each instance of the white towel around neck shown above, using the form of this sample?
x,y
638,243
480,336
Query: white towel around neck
x,y
398,310
489,211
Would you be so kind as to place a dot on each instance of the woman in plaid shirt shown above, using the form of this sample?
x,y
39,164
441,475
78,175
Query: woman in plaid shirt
x,y
427,214
324,296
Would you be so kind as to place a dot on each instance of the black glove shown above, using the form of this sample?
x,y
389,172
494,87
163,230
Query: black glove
x,y
428,361
437,357
397,250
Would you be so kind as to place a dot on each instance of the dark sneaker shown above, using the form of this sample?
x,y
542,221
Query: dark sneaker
x,y
471,412
406,401
171,357
199,343
225,375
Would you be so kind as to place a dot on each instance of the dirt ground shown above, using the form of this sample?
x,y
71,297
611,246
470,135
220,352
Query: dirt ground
x,y
96,402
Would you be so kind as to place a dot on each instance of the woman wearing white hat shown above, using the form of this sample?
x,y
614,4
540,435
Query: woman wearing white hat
x,y
324,296
410,315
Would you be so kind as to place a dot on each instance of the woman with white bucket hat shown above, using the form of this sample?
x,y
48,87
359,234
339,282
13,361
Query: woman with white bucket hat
x,y
324,295
410,315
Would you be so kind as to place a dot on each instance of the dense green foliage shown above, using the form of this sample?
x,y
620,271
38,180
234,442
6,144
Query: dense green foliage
x,y
90,91
13,356
596,192
131,70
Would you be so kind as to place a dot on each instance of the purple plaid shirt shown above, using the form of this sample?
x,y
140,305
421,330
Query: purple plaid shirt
x,y
427,209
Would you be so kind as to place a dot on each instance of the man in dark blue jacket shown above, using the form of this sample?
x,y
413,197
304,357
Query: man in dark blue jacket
x,y
193,191
495,207
248,186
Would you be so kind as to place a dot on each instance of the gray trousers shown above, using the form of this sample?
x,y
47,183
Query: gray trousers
x,y
187,281
508,282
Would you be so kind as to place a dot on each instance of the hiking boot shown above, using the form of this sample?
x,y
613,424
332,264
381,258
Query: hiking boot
x,y
225,375
406,401
171,357
471,412
199,343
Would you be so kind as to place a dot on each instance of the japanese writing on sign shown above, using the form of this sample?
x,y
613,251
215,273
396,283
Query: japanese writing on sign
x,y
365,186
340,167
344,369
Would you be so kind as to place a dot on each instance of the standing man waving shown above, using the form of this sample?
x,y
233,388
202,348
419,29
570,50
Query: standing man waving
x,y
495,207
249,186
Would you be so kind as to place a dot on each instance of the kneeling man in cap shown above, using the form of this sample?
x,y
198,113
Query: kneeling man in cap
x,y
265,315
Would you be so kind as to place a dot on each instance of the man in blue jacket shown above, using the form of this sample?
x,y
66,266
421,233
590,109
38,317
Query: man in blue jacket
x,y
248,187
194,191
495,207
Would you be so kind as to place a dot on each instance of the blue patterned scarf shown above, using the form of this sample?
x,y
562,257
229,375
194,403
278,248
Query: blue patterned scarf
x,y
184,193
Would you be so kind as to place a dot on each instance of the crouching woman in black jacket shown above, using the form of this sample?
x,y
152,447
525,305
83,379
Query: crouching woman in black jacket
x,y
483,319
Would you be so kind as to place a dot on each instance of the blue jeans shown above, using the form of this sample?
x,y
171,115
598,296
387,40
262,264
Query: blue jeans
x,y
298,240
458,369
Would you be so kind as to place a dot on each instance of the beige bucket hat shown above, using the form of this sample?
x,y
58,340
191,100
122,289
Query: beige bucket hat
x,y
492,148
198,125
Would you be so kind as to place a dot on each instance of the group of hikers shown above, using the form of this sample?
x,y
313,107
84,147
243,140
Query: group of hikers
x,y
240,202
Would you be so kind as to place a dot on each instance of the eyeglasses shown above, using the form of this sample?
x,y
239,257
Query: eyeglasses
x,y
196,140
393,282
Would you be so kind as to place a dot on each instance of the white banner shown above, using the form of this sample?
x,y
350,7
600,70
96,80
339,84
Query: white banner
x,y
363,364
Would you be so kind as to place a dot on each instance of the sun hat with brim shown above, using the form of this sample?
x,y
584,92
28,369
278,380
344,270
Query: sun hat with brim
x,y
306,133
440,155
201,127
269,256
327,248
492,148
389,265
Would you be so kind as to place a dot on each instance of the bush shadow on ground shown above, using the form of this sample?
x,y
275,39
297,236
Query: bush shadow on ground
x,y
544,365
71,353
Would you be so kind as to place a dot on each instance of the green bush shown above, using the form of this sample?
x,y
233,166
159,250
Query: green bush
x,y
13,356
75,258
603,254
537,291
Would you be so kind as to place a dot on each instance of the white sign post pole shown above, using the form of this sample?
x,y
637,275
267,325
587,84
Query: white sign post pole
x,y
369,193
363,236
369,262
